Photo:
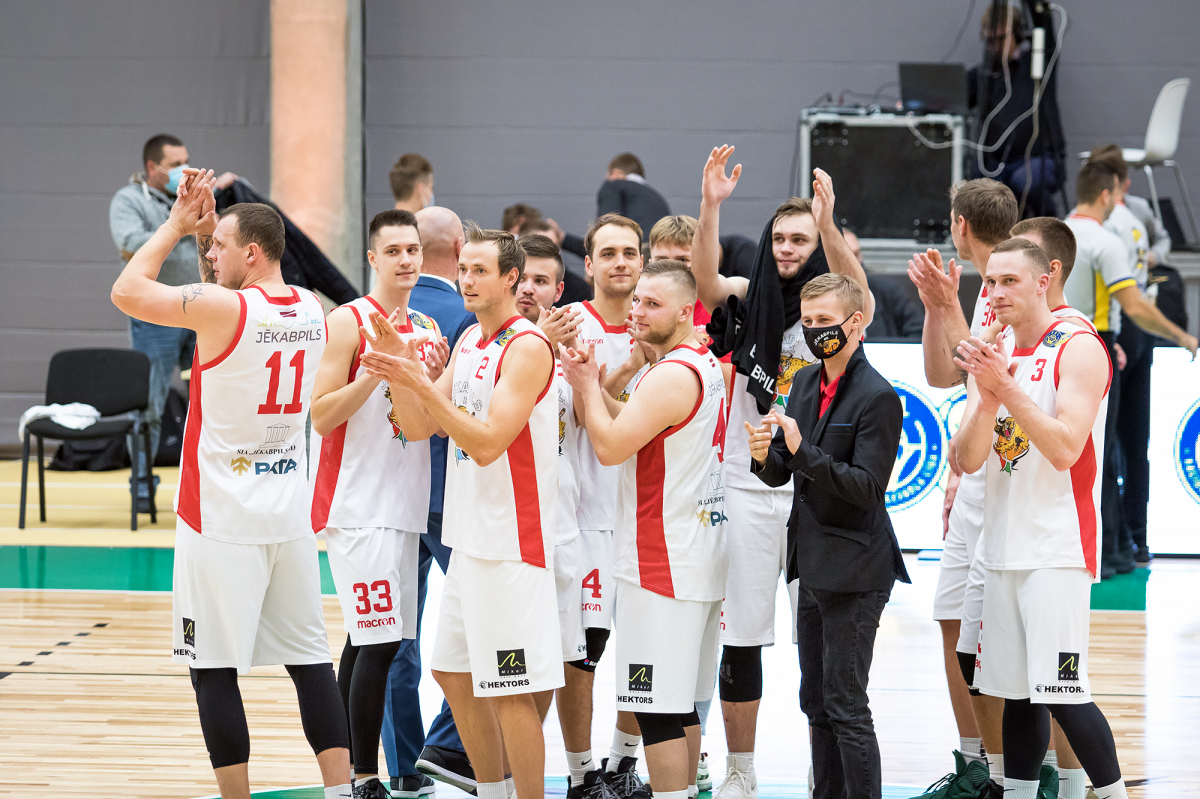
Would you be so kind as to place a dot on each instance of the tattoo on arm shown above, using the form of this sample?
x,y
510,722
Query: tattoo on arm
x,y
207,272
962,378
191,293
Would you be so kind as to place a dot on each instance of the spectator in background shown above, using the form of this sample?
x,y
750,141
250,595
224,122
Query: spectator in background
x,y
575,288
517,215
897,315
412,182
626,192
137,210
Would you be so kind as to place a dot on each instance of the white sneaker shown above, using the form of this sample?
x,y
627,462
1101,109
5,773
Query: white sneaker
x,y
740,780
703,775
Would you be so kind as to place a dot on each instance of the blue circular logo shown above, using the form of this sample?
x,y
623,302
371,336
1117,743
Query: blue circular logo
x,y
922,452
1186,439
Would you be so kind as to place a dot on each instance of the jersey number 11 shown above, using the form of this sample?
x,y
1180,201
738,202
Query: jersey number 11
x,y
275,364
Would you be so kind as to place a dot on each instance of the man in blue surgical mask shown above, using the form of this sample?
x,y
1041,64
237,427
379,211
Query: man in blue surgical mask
x,y
137,210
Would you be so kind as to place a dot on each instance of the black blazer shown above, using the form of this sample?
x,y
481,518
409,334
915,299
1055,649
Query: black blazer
x,y
840,536
635,200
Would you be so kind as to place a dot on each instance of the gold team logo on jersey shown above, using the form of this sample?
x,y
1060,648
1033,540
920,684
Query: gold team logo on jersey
x,y
459,455
562,428
788,367
397,433
506,336
420,320
1055,337
1011,443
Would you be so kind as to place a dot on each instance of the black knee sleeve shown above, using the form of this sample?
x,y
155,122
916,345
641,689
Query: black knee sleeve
x,y
966,662
597,639
1090,736
222,716
368,689
691,719
741,677
586,664
321,712
1026,736
659,727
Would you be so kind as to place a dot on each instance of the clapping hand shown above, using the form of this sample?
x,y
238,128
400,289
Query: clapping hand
x,y
580,367
437,355
193,202
559,324
791,433
938,288
988,364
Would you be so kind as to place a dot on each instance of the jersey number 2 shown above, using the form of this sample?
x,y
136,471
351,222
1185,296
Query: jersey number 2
x,y
275,363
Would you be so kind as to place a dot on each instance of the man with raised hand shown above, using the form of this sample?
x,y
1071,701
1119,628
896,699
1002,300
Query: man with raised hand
x,y
247,586
498,642
762,328
669,542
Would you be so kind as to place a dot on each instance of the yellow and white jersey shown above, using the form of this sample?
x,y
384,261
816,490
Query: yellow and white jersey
x,y
244,475
508,509
369,474
1035,516
1102,268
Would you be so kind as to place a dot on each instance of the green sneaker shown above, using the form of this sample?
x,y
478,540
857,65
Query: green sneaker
x,y
703,775
966,782
1048,783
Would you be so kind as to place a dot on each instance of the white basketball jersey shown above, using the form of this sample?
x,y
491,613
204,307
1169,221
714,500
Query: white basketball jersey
x,y
569,433
794,356
670,533
1035,516
244,475
508,509
1074,316
369,474
598,483
973,484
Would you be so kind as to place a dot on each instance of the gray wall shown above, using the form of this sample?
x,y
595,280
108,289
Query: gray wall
x,y
528,101
82,86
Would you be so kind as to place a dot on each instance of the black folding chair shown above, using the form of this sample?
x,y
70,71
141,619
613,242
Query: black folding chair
x,y
113,381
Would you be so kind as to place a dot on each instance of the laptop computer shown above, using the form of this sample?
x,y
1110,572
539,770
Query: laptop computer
x,y
933,88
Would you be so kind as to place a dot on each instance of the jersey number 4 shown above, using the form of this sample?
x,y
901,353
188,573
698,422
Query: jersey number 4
x,y
383,603
592,581
275,364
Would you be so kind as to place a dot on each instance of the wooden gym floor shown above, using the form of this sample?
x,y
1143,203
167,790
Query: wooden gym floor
x,y
91,704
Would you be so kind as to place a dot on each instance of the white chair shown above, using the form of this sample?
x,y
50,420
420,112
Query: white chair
x,y
1162,139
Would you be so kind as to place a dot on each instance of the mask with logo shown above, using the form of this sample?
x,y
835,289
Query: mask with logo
x,y
826,342
174,175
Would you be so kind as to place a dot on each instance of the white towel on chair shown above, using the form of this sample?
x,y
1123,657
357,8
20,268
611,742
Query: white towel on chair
x,y
75,415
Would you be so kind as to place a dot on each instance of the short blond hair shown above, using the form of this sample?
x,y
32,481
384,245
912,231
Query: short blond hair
x,y
849,293
673,230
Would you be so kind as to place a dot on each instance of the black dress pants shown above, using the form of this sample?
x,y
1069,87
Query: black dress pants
x,y
1134,431
1111,524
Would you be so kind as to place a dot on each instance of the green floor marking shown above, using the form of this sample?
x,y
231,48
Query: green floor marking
x,y
1122,591
556,787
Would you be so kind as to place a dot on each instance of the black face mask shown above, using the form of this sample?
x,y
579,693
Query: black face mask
x,y
826,342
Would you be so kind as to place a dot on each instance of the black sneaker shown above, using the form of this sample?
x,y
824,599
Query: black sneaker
x,y
1143,556
371,789
411,787
448,766
625,781
992,790
594,787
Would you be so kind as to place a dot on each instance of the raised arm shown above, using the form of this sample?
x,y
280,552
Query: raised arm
x,y
712,287
335,397
945,324
837,250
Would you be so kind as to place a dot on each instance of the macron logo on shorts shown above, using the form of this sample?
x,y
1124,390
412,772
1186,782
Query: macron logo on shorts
x,y
510,662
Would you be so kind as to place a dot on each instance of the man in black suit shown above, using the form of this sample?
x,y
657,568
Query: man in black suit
x,y
626,192
839,437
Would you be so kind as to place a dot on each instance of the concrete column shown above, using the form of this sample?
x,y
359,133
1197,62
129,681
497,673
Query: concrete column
x,y
316,136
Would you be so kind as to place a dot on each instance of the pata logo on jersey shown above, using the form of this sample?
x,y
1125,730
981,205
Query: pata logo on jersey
x,y
510,662
715,496
1187,437
641,677
256,460
921,453
1011,443
189,632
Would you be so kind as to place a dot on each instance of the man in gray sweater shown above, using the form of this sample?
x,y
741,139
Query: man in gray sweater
x,y
137,210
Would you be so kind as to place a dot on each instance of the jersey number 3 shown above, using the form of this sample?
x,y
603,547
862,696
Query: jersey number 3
x,y
275,364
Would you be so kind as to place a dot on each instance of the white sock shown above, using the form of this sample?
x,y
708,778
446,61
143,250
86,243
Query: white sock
x,y
811,782
579,763
748,755
1051,758
971,748
339,792
1114,791
671,794
510,787
1020,789
996,767
623,745
491,790
1072,783
693,792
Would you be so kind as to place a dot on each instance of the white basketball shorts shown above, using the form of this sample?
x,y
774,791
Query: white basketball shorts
x,y
375,572
1034,638
958,550
756,543
567,558
972,606
666,651
499,621
597,584
243,605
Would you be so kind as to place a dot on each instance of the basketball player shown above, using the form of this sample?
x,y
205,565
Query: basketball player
x,y
498,641
247,587
1034,420
803,238
669,543
371,494
614,261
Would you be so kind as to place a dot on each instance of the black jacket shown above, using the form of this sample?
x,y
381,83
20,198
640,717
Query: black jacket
x,y
840,536
635,200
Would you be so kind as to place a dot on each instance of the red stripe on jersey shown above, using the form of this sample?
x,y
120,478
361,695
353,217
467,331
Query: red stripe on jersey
x,y
523,469
654,562
404,328
329,466
605,326
507,324
1058,359
189,472
1083,479
504,352
295,298
1021,352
